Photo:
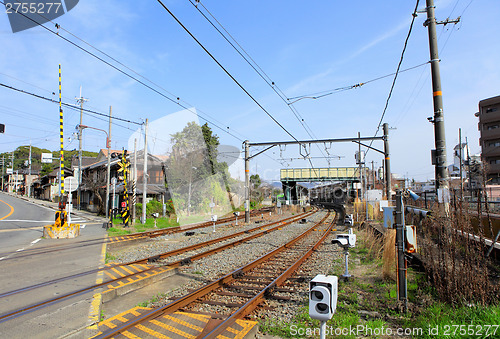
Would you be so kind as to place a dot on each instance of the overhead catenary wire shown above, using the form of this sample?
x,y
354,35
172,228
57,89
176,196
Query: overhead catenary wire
x,y
225,70
321,94
255,67
414,15
250,61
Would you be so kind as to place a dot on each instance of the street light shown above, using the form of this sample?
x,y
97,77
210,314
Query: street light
x,y
108,174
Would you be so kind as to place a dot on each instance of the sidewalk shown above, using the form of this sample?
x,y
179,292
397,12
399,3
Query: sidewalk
x,y
55,206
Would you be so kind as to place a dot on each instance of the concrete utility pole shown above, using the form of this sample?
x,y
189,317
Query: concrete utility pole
x,y
145,173
247,182
387,162
3,172
108,174
461,156
441,172
134,183
81,100
358,161
29,175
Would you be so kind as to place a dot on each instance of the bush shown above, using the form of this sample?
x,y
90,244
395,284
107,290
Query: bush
x,y
155,206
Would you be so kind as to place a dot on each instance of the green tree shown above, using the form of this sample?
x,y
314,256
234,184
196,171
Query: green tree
x,y
255,180
191,166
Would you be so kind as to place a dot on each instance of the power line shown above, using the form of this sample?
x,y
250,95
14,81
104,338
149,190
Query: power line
x,y
119,70
414,15
226,71
253,64
65,104
325,93
250,61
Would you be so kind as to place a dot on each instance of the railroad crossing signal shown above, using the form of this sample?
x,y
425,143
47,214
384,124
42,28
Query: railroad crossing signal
x,y
124,168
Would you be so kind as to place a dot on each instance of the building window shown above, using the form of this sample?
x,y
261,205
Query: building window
x,y
491,109
494,161
494,144
492,127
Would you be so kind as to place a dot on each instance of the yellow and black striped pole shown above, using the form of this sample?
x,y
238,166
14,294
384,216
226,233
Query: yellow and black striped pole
x,y
126,210
61,135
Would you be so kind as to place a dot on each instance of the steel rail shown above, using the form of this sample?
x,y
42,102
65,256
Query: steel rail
x,y
128,237
33,307
251,304
191,297
155,257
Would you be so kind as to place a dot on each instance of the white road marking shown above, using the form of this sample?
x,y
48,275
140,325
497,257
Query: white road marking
x,y
35,241
19,250
44,221
83,226
2,258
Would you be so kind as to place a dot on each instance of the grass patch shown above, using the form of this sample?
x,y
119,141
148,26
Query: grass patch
x,y
118,231
160,223
109,258
150,302
371,301
443,317
118,228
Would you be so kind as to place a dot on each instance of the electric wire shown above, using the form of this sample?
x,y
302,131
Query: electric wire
x,y
118,69
257,69
318,95
225,70
414,15
250,61
65,104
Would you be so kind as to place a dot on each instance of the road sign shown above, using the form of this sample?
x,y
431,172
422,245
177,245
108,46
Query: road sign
x,y
124,204
46,158
70,183
9,171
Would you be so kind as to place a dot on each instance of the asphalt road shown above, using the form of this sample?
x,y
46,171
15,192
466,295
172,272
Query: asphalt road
x,y
21,223
27,260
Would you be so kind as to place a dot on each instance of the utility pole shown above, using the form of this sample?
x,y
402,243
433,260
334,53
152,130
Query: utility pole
x,y
108,173
247,182
373,175
460,155
81,100
134,183
359,163
145,173
29,174
387,162
441,172
468,169
400,250
3,172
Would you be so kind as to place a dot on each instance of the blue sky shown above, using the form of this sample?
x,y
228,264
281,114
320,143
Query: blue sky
x,y
304,47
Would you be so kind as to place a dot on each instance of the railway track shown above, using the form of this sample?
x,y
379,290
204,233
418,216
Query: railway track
x,y
239,292
129,237
139,267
